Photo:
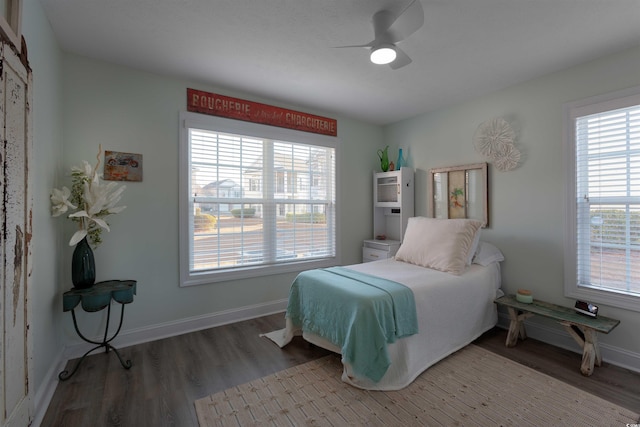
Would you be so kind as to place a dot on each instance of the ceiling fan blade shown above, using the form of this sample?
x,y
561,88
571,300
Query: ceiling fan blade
x,y
408,21
401,60
382,21
370,44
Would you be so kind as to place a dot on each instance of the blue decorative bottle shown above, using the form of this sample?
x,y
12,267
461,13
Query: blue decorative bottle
x,y
400,163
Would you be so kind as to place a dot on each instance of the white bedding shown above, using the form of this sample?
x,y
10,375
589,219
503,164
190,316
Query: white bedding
x,y
452,312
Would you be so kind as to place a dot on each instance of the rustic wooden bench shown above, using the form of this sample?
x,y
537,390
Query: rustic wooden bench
x,y
582,328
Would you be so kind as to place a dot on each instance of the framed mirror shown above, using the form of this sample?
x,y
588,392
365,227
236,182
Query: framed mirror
x,y
460,192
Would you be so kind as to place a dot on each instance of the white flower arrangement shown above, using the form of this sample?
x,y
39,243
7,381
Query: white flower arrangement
x,y
93,200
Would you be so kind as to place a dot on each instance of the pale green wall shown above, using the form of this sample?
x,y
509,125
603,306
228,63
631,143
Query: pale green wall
x,y
526,204
46,307
137,112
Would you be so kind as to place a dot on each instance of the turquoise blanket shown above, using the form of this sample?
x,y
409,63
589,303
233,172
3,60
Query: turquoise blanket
x,y
357,312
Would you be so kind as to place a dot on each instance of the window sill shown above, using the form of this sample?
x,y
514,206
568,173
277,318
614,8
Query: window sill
x,y
205,278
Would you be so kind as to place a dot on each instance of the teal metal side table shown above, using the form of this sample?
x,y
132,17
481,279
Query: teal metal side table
x,y
95,299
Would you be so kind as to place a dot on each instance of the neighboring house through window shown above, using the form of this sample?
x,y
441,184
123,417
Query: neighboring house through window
x,y
254,200
602,244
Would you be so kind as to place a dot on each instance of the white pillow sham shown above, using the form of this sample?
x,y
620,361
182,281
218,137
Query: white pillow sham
x,y
487,254
440,244
474,247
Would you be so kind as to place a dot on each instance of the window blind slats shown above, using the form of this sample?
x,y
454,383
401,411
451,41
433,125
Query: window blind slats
x,y
259,202
608,204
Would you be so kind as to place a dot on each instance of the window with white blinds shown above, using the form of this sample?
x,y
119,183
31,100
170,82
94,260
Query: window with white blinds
x,y
256,204
606,138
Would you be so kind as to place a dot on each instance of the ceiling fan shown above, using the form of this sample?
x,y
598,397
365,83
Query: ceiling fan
x,y
391,26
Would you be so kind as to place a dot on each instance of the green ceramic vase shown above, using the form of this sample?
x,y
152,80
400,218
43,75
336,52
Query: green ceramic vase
x,y
83,266
384,158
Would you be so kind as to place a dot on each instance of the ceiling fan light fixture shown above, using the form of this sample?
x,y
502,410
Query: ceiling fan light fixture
x,y
383,54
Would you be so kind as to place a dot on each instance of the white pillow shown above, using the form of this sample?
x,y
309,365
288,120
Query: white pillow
x,y
474,247
486,254
440,244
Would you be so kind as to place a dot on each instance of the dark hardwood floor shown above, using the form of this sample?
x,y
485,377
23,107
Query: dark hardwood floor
x,y
169,375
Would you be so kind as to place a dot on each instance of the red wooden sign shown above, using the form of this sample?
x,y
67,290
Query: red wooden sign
x,y
234,108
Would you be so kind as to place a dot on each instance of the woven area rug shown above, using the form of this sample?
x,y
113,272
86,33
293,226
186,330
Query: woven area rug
x,y
471,387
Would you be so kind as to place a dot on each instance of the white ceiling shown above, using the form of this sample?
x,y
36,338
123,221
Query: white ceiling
x,y
283,50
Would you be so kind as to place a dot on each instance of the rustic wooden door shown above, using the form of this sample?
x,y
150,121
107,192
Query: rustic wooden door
x,y
15,236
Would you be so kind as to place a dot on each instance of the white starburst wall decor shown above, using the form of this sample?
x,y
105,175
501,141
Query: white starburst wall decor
x,y
494,139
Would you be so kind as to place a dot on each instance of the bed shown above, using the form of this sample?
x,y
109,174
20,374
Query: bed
x,y
452,285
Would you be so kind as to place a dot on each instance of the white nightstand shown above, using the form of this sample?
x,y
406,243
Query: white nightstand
x,y
373,250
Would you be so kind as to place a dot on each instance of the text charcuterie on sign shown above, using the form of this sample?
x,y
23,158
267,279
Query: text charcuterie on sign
x,y
234,108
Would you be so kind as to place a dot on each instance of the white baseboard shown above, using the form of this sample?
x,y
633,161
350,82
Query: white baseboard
x,y
182,326
560,338
44,394
151,333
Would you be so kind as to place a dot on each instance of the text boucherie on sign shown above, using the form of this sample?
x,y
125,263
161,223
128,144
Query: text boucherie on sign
x,y
234,108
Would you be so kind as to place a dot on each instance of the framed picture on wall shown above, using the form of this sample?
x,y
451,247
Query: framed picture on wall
x,y
459,192
120,166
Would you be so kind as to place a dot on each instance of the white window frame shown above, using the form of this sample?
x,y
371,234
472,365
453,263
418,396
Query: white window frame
x,y
223,125
571,111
